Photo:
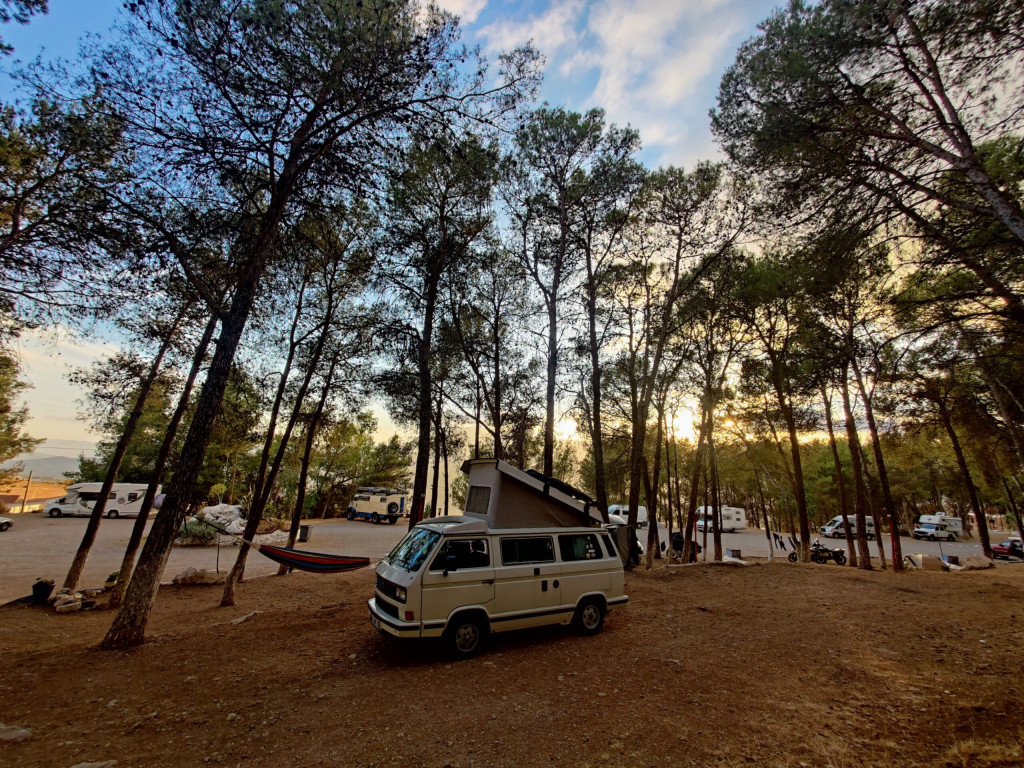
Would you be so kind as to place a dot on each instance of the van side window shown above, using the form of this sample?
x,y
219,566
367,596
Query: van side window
x,y
609,545
532,549
578,546
133,497
478,499
469,553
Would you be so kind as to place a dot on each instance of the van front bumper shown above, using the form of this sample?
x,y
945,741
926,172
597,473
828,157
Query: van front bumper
x,y
390,624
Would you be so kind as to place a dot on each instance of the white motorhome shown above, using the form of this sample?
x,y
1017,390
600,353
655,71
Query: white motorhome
x,y
125,500
934,527
524,554
733,519
377,505
834,529
622,510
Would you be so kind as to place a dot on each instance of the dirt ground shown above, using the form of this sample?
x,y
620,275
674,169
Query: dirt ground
x,y
771,665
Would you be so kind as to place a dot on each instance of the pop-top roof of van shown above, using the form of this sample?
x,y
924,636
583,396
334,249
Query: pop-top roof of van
x,y
507,497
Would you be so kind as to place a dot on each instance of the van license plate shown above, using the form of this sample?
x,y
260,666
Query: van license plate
x,y
374,621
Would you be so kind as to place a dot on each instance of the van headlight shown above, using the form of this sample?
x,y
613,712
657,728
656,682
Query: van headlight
x,y
400,594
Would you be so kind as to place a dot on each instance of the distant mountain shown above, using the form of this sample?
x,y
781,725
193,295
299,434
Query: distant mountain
x,y
46,466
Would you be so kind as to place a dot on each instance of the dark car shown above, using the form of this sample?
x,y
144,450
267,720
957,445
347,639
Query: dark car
x,y
1009,548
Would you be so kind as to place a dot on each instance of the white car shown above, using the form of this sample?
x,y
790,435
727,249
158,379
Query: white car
x,y
5,523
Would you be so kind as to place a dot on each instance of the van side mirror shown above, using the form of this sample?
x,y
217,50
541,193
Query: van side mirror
x,y
451,563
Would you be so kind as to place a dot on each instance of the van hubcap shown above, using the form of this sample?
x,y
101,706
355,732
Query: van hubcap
x,y
467,637
591,616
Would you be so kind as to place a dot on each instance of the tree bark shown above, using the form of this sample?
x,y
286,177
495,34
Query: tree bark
x,y
972,491
840,482
120,449
419,486
860,501
139,527
437,459
883,477
691,506
716,499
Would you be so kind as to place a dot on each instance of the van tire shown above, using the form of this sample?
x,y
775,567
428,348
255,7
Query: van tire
x,y
112,514
351,514
393,508
792,557
589,616
951,537
374,518
931,537
465,634
54,512
393,519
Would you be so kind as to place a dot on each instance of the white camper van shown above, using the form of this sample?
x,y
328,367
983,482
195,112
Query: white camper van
x,y
834,529
934,527
622,510
524,554
377,505
733,519
125,500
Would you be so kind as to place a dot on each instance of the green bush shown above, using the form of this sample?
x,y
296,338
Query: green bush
x,y
195,533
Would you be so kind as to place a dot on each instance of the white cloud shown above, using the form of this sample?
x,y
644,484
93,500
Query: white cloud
x,y
466,10
549,31
650,63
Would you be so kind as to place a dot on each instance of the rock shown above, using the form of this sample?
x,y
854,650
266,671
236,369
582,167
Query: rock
x,y
65,597
14,733
191,576
100,764
232,716
247,616
68,607
977,563
923,562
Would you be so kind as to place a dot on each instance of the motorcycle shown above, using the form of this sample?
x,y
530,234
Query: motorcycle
x,y
822,554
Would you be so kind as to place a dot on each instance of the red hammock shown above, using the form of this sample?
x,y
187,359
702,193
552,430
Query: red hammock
x,y
314,562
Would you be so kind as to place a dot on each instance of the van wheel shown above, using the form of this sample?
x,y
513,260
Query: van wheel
x,y
374,518
589,617
393,519
951,537
112,514
393,508
931,537
351,514
792,557
54,513
465,635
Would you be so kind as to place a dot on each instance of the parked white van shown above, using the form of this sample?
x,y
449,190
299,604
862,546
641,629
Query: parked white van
x,y
622,510
834,528
377,505
524,554
733,519
934,527
125,500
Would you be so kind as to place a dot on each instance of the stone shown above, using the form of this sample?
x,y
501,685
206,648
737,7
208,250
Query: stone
x,y
192,576
14,733
247,616
69,607
100,764
977,563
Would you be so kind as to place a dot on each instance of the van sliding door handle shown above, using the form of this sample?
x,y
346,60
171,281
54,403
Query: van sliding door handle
x,y
487,581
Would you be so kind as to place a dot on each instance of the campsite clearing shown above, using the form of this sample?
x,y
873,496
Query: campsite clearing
x,y
773,665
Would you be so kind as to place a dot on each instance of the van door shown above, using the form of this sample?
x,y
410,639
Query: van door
x,y
527,586
471,583
585,567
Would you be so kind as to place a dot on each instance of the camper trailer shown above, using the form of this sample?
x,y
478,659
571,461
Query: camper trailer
x,y
527,552
377,505
834,529
934,527
733,519
125,500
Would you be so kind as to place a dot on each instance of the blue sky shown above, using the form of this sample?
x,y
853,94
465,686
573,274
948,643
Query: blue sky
x,y
654,64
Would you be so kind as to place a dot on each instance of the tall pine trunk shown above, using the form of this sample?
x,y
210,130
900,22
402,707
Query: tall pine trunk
x,y
840,482
120,449
139,527
860,500
972,491
424,348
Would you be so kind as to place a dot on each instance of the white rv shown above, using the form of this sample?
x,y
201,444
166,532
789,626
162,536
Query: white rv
x,y
834,529
125,500
524,554
733,519
934,527
622,510
377,505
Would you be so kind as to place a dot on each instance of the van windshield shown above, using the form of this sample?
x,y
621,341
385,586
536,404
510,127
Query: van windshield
x,y
411,552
